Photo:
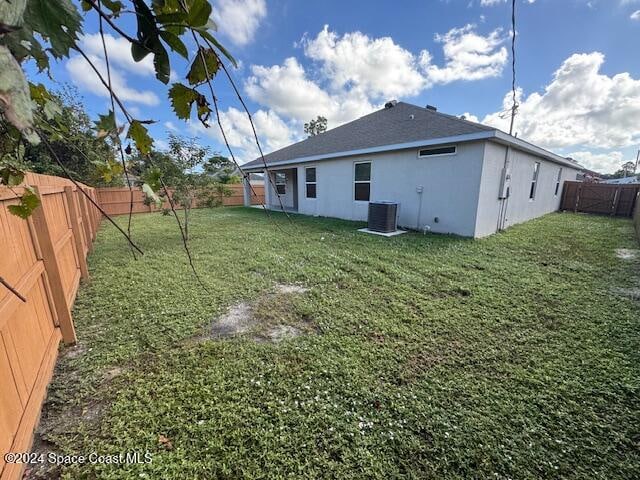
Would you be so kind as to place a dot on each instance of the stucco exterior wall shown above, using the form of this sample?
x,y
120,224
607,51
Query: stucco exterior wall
x,y
450,186
519,207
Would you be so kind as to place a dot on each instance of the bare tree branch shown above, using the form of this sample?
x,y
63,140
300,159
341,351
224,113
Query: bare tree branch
x,y
98,8
113,108
12,290
73,180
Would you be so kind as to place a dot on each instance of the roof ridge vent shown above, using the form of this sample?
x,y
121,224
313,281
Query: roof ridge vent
x,y
391,104
432,108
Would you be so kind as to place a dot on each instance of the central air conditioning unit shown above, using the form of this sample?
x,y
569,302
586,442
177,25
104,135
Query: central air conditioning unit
x,y
382,217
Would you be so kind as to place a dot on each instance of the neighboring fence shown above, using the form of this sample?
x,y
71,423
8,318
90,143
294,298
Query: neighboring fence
x,y
602,198
43,258
116,201
636,217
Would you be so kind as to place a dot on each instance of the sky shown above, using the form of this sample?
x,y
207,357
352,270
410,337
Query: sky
x,y
578,74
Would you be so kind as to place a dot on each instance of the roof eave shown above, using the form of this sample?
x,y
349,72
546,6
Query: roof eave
x,y
506,139
469,137
493,135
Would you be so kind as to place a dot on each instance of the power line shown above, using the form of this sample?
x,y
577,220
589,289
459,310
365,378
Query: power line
x,y
514,106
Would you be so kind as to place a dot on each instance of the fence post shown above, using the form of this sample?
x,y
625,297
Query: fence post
x,y
77,234
92,214
578,191
84,211
616,200
53,272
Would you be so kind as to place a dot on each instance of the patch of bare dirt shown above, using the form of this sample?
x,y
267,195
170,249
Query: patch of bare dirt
x,y
75,351
273,317
627,253
632,293
237,320
290,288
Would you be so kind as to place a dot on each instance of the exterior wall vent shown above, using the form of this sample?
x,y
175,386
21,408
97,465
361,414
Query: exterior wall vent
x,y
382,217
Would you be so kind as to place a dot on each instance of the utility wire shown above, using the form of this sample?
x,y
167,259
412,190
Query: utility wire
x,y
514,106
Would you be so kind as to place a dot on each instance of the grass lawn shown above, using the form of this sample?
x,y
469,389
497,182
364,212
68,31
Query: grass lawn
x,y
421,356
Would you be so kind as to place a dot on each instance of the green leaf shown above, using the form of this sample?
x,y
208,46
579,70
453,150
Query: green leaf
x,y
106,125
198,73
199,13
115,6
29,201
108,169
139,51
162,65
182,98
152,178
51,109
149,42
17,107
58,21
140,135
205,34
39,94
86,6
175,43
11,175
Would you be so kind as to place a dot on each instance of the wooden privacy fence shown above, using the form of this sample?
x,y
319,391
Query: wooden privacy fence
x,y
602,198
116,201
43,258
636,217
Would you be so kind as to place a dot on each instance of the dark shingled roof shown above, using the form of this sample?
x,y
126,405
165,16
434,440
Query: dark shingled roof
x,y
383,127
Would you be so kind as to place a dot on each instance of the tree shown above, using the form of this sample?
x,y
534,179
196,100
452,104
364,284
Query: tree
x,y
222,170
184,168
39,30
628,168
88,158
316,127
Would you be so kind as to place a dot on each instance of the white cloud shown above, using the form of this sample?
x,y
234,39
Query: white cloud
x,y
378,66
635,15
272,131
599,162
486,3
288,91
84,76
580,107
468,56
352,74
119,50
120,63
239,19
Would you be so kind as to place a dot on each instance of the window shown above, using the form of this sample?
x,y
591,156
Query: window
x,y
362,179
310,179
534,180
429,152
558,181
281,182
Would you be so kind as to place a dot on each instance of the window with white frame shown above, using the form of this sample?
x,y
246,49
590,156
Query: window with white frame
x,y
436,151
558,181
281,182
362,180
534,181
310,181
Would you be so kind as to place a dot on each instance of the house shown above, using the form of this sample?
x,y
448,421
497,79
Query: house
x,y
622,181
449,175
